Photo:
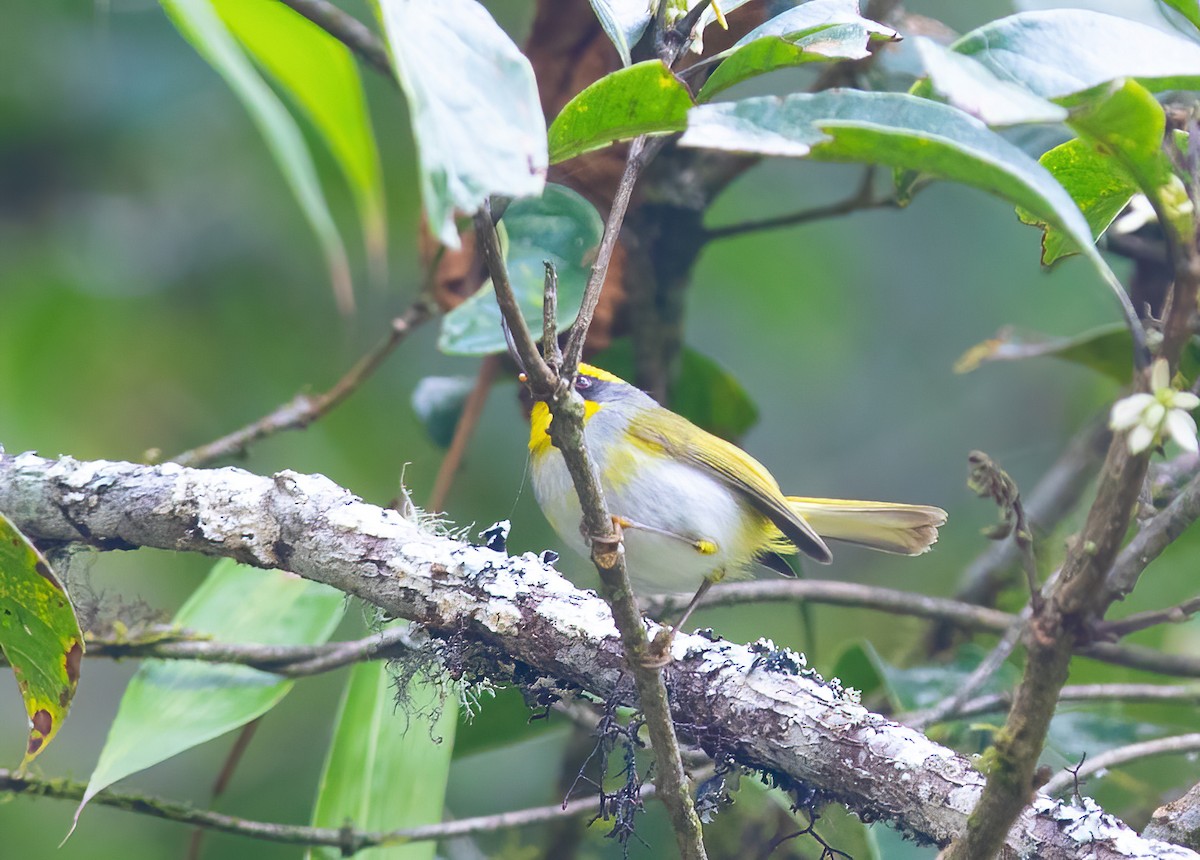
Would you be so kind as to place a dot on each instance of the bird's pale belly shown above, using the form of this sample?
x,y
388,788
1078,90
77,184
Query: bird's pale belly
x,y
709,532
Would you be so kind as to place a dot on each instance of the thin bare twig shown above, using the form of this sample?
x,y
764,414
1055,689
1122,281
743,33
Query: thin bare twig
x,y
464,428
348,840
348,30
863,198
1154,537
1151,618
1123,755
1090,693
304,409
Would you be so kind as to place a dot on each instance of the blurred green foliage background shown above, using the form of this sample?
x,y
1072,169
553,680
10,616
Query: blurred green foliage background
x,y
159,288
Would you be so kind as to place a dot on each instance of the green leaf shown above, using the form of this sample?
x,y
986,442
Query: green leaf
x,y
624,22
812,32
1189,9
200,25
320,74
560,226
39,635
474,105
970,86
906,133
1097,185
1056,52
710,397
173,705
919,687
1107,349
645,98
389,761
438,401
856,668
1124,121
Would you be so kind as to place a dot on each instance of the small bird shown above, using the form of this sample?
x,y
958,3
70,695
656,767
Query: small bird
x,y
693,508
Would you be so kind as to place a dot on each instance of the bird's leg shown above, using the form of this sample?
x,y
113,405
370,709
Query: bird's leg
x,y
704,547
660,649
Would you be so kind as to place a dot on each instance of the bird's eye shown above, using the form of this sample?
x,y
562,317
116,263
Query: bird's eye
x,y
583,383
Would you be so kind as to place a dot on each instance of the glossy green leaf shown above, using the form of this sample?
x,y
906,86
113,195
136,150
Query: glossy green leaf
x,y
1107,349
474,105
645,98
710,397
1125,122
1056,52
1099,188
970,86
1189,9
173,705
624,22
438,401
319,73
389,762
39,636
811,32
200,25
560,226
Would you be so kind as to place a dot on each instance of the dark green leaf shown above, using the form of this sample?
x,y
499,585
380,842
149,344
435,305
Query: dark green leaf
x,y
438,402
200,25
642,99
39,636
474,105
1056,52
856,668
1107,349
970,86
1099,187
560,226
319,73
710,397
173,705
623,21
389,761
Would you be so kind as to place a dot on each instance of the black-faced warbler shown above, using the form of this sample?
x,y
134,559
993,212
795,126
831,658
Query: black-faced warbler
x,y
693,508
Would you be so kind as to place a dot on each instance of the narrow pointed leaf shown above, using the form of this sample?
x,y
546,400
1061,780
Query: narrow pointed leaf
x,y
39,636
970,86
1056,52
474,106
389,761
200,25
174,705
1189,9
1107,349
645,98
624,22
560,226
319,73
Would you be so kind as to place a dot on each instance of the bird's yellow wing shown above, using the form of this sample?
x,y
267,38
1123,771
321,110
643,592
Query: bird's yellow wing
x,y
673,435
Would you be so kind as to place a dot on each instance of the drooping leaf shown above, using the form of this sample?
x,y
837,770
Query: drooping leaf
x,y
200,25
645,98
474,105
174,705
1189,9
320,74
1056,52
624,22
1099,187
813,31
1107,349
1125,122
39,635
970,86
710,397
560,226
438,402
389,762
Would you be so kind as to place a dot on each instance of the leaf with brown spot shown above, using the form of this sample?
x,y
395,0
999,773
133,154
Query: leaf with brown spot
x,y
39,635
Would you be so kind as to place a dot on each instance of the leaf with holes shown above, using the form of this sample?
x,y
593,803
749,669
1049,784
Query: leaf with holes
x,y
173,705
560,226
39,635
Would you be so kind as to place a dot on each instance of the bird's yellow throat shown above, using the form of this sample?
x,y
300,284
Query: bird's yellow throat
x,y
539,425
